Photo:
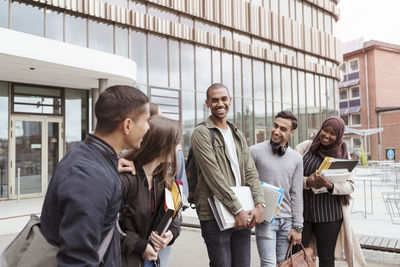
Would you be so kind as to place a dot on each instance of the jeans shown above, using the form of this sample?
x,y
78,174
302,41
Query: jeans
x,y
229,248
272,241
163,256
325,235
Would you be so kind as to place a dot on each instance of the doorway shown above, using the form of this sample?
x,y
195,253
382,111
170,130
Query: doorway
x,y
36,146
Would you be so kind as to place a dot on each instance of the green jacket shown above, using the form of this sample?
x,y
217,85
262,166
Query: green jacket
x,y
215,176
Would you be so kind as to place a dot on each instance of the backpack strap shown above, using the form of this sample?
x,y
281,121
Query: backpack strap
x,y
212,132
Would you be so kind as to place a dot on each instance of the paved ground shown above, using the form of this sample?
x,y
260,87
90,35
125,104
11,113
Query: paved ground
x,y
189,249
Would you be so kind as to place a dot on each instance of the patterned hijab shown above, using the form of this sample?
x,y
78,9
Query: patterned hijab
x,y
337,149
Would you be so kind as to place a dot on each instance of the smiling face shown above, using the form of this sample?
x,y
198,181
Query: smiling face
x,y
327,136
218,102
281,131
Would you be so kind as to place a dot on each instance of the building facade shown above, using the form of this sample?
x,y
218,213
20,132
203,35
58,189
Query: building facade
x,y
370,97
58,55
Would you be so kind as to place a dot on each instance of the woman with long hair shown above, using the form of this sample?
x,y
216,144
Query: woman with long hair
x,y
156,165
326,215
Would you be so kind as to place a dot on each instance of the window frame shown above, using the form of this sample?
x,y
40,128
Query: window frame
x,y
350,70
350,93
351,119
347,94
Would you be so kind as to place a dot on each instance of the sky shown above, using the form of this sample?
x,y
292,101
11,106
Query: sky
x,y
371,19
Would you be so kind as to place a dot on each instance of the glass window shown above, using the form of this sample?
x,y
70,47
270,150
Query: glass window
x,y
266,4
310,90
167,100
54,25
307,14
75,30
174,72
187,64
3,139
259,121
158,60
323,97
299,11
226,33
275,5
137,6
241,37
331,97
27,18
138,54
343,67
292,9
247,77
38,100
202,110
284,8
188,119
206,27
238,112
163,14
294,87
328,23
101,36
286,86
237,63
276,72
258,78
248,121
314,17
355,92
343,94
121,41
353,65
320,20
268,82
120,3
302,90
345,119
203,68
227,71
356,143
76,116
4,13
216,66
187,21
355,119
261,43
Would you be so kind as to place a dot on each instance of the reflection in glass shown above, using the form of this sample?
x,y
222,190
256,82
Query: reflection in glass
x,y
101,36
276,78
299,11
27,18
37,109
203,68
270,117
202,110
238,112
76,110
158,60
75,30
294,87
167,100
138,54
174,73
331,97
163,14
206,27
284,8
54,25
247,77
296,137
301,85
268,82
259,121
307,14
310,93
216,66
3,139
137,6
248,129
328,23
258,78
121,41
187,64
53,147
120,3
188,119
4,14
227,71
28,156
286,86
323,97
237,66
275,5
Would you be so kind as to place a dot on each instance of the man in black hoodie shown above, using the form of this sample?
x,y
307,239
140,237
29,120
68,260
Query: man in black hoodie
x,y
84,194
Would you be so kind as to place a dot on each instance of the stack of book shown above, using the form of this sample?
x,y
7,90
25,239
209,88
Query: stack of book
x,y
172,206
273,197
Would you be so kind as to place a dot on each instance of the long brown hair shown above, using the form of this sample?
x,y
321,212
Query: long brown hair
x,y
160,141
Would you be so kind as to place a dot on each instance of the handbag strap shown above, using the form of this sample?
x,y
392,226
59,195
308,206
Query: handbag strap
x,y
289,254
107,241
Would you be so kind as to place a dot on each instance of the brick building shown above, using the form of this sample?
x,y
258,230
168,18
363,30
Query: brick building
x,y
370,95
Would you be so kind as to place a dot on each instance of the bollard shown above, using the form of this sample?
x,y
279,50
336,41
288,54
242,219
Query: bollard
x,y
18,183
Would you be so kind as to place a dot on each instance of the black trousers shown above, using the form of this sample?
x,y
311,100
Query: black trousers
x,y
326,235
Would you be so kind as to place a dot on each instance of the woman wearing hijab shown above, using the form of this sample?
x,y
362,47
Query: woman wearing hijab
x,y
326,215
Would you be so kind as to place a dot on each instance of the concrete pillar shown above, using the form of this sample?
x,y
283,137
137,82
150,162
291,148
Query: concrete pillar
x,y
95,96
102,85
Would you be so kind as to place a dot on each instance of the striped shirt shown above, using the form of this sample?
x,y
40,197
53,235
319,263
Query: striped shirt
x,y
323,207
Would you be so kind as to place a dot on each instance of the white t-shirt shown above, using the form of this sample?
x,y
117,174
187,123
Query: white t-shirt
x,y
232,156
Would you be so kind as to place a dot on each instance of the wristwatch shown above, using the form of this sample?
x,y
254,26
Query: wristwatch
x,y
298,229
262,204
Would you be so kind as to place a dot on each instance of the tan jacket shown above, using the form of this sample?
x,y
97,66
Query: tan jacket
x,y
347,246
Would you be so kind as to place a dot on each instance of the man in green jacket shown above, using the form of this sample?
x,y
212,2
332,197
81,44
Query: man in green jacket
x,y
221,165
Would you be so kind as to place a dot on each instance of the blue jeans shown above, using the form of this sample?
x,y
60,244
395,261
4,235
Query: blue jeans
x,y
229,248
272,242
163,255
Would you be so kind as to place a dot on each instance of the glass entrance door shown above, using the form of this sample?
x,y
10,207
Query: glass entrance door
x,y
36,147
